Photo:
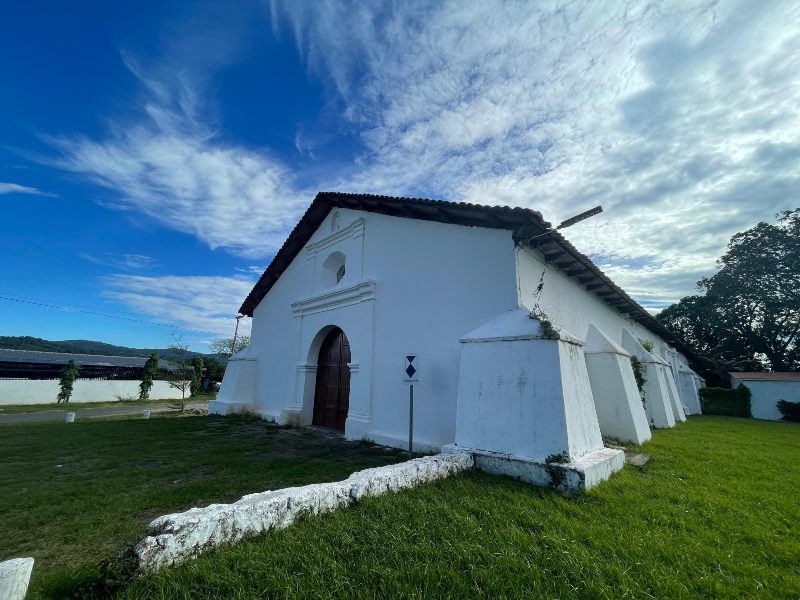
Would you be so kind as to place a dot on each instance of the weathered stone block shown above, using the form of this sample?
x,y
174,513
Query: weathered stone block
x,y
14,577
174,538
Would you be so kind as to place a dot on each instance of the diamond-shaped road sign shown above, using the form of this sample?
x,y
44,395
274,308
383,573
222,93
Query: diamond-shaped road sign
x,y
411,367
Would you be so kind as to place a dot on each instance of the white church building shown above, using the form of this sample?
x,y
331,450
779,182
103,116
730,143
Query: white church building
x,y
522,346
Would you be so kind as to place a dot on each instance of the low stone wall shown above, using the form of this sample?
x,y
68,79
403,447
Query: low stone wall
x,y
45,391
14,577
177,537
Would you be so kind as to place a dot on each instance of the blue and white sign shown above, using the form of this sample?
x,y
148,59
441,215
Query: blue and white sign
x,y
411,367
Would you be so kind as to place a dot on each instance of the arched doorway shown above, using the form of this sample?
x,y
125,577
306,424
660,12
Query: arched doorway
x,y
332,391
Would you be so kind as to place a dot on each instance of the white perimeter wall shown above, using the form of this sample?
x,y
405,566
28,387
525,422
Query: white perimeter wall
x,y
765,396
45,391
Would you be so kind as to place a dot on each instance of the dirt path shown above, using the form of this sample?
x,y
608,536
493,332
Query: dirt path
x,y
91,413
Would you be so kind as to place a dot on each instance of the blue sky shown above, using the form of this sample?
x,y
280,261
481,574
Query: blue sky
x,y
153,156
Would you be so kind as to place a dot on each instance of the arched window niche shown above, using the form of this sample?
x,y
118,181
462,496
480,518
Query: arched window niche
x,y
333,269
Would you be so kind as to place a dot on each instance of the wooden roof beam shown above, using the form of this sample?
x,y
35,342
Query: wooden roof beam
x,y
577,269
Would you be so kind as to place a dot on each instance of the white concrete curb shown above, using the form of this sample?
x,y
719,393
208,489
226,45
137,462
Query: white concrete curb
x,y
177,537
14,577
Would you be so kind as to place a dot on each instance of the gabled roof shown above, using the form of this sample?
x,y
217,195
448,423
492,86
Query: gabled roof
x,y
522,222
761,376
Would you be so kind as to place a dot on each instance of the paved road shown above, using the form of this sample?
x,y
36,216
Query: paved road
x,y
91,413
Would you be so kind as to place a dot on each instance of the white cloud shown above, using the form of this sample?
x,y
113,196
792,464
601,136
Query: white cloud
x,y
123,261
176,169
681,119
15,188
206,303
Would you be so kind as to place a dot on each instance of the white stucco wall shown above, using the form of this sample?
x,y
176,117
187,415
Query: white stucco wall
x,y
765,396
568,304
409,285
45,391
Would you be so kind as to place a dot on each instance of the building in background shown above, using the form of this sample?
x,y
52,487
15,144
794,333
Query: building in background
x,y
766,390
32,377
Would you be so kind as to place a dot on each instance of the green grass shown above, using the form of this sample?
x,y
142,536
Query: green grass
x,y
73,496
715,514
10,409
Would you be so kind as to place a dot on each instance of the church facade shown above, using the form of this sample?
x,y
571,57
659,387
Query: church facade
x,y
364,281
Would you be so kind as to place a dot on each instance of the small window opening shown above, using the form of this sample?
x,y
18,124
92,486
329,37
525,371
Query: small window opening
x,y
333,269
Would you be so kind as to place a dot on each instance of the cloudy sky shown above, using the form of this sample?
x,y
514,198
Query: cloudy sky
x,y
153,156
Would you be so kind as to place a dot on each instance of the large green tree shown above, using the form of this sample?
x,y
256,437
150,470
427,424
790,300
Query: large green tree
x,y
747,315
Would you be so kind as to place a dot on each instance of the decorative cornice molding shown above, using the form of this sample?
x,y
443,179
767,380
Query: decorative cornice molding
x,y
306,368
362,291
353,230
353,366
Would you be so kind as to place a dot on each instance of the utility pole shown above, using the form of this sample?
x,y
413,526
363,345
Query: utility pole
x,y
235,334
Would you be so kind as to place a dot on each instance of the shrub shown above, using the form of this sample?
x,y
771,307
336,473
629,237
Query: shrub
x,y
149,373
789,410
68,376
638,374
732,403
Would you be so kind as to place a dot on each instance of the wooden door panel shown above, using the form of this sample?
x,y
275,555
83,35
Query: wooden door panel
x,y
332,391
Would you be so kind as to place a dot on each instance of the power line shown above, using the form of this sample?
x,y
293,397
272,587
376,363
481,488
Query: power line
x,y
68,308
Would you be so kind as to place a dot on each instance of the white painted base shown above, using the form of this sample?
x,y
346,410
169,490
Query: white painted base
x,y
14,577
357,427
522,393
674,399
688,393
420,445
578,475
616,398
656,395
290,416
217,407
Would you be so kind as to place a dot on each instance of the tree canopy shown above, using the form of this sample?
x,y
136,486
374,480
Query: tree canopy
x,y
747,315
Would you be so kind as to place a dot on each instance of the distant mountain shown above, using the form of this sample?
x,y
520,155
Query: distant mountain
x,y
88,347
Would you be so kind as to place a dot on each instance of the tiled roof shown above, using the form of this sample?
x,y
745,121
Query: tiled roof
x,y
524,223
761,376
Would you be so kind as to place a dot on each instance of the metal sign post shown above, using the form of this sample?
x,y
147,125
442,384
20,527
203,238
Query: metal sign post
x,y
411,376
410,420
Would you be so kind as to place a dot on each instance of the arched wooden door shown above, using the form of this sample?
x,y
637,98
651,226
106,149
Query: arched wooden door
x,y
332,393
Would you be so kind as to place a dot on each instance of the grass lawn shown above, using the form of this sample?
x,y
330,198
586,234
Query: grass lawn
x,y
715,514
10,409
71,496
